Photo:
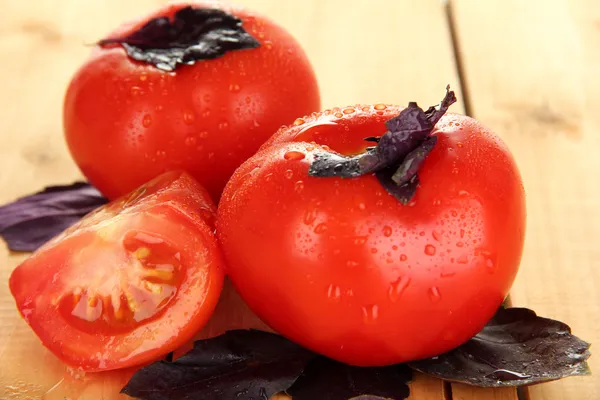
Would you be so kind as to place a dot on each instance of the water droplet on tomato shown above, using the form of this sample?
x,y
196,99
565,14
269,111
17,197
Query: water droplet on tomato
x,y
289,174
463,259
143,77
459,144
370,314
422,233
338,114
397,288
460,244
294,155
351,264
190,140
462,235
334,292
299,187
362,206
463,193
387,231
490,265
234,87
455,171
430,250
380,106
447,274
349,110
434,294
435,235
135,90
223,125
374,250
437,202
147,120
298,121
360,240
188,117
403,257
320,228
310,216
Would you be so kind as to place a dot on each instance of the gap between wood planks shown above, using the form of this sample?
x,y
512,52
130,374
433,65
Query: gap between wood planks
x,y
522,392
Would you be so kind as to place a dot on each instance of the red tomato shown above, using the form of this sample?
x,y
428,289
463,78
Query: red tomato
x,y
343,268
126,121
131,282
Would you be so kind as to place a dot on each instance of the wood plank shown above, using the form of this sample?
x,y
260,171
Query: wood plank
x,y
378,51
425,387
532,76
465,392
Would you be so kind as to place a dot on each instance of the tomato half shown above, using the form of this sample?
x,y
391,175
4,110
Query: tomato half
x,y
126,121
131,282
345,269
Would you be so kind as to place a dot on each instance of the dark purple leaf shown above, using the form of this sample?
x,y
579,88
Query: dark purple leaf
x,y
403,193
515,348
193,34
402,149
240,365
413,161
325,379
30,221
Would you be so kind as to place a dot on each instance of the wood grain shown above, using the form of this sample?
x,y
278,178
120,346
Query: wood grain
x,y
531,72
363,52
464,392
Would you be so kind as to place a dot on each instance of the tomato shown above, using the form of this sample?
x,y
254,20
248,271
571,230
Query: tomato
x,y
345,269
130,282
127,121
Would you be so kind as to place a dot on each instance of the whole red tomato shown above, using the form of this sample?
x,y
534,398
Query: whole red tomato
x,y
129,283
344,268
126,121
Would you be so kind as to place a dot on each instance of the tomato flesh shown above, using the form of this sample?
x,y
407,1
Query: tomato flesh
x,y
131,282
343,268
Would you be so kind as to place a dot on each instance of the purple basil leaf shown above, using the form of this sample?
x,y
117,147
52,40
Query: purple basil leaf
x,y
413,161
434,114
192,35
402,150
30,221
325,379
403,193
515,348
240,365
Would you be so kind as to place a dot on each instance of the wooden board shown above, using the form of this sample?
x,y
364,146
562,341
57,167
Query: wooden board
x,y
531,71
376,51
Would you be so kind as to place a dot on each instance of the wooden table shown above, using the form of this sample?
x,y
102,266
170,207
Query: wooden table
x,y
528,69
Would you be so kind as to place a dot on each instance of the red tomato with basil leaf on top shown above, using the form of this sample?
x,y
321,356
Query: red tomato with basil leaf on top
x,y
374,234
192,86
130,282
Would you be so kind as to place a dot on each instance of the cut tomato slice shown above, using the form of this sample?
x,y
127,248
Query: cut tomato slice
x,y
130,282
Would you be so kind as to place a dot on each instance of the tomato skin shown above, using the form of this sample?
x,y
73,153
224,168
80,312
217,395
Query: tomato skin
x,y
343,268
57,283
126,122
